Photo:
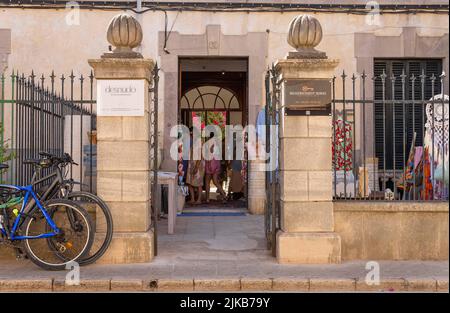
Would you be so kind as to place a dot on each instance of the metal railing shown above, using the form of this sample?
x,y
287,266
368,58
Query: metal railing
x,y
393,145
48,114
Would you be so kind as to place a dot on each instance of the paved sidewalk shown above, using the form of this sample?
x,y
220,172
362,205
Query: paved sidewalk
x,y
225,254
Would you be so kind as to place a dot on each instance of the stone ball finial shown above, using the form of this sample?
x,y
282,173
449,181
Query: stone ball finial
x,y
124,33
305,33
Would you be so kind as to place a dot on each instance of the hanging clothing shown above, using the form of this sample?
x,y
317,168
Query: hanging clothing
x,y
437,142
212,167
195,173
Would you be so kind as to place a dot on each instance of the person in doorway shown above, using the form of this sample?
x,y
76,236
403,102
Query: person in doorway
x,y
213,169
236,183
194,179
195,173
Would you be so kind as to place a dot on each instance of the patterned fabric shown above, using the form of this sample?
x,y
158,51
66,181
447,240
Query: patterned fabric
x,y
195,173
437,142
343,146
212,167
418,175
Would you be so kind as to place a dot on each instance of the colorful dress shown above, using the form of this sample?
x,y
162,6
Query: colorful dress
x,y
195,173
212,167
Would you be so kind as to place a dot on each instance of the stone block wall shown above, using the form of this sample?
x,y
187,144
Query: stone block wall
x,y
392,230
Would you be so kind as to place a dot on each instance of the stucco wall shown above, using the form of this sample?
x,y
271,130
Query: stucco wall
x,y
41,39
392,230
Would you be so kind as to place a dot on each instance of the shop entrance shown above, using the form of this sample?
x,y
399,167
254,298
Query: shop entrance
x,y
213,91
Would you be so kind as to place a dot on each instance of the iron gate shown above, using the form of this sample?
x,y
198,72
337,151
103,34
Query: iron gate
x,y
153,127
272,111
48,114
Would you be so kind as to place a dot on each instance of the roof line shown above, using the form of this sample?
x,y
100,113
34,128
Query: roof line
x,y
230,6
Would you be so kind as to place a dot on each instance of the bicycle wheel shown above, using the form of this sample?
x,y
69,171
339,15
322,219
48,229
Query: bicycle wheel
x,y
74,241
102,222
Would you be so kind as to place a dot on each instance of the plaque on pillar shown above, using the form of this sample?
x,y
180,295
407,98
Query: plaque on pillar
x,y
311,96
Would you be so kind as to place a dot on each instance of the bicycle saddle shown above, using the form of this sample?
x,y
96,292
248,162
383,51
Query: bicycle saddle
x,y
3,166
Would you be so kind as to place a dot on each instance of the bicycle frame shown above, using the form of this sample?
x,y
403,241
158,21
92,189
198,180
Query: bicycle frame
x,y
55,182
29,192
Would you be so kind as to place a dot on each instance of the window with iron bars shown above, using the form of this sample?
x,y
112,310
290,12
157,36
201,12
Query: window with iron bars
x,y
397,122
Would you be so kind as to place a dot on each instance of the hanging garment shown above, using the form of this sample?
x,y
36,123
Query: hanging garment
x,y
437,142
343,147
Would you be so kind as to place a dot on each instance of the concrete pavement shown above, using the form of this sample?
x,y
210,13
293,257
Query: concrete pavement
x,y
220,253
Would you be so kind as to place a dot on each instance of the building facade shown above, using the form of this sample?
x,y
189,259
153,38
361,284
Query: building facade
x,y
236,42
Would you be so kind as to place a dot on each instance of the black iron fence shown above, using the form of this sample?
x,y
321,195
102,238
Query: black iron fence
x,y
393,144
52,114
272,217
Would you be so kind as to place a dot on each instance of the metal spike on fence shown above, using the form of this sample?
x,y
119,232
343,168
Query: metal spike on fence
x,y
403,76
423,76
433,77
364,75
393,79
383,76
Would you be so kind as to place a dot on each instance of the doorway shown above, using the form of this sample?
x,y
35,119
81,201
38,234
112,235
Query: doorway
x,y
213,91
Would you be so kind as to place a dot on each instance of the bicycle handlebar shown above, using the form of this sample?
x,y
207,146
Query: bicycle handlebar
x,y
64,159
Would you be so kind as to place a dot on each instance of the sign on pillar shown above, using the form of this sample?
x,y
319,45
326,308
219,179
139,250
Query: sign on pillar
x,y
120,97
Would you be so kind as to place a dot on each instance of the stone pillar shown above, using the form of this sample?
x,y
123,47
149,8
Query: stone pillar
x,y
123,153
307,222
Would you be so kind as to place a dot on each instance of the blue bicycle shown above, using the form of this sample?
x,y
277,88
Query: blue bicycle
x,y
51,234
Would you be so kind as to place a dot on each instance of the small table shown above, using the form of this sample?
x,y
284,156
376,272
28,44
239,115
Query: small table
x,y
169,179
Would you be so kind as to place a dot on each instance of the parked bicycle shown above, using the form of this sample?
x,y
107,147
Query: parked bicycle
x,y
51,233
62,188
55,186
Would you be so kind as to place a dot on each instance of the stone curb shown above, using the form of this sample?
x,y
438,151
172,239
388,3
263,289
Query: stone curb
x,y
35,285
226,285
